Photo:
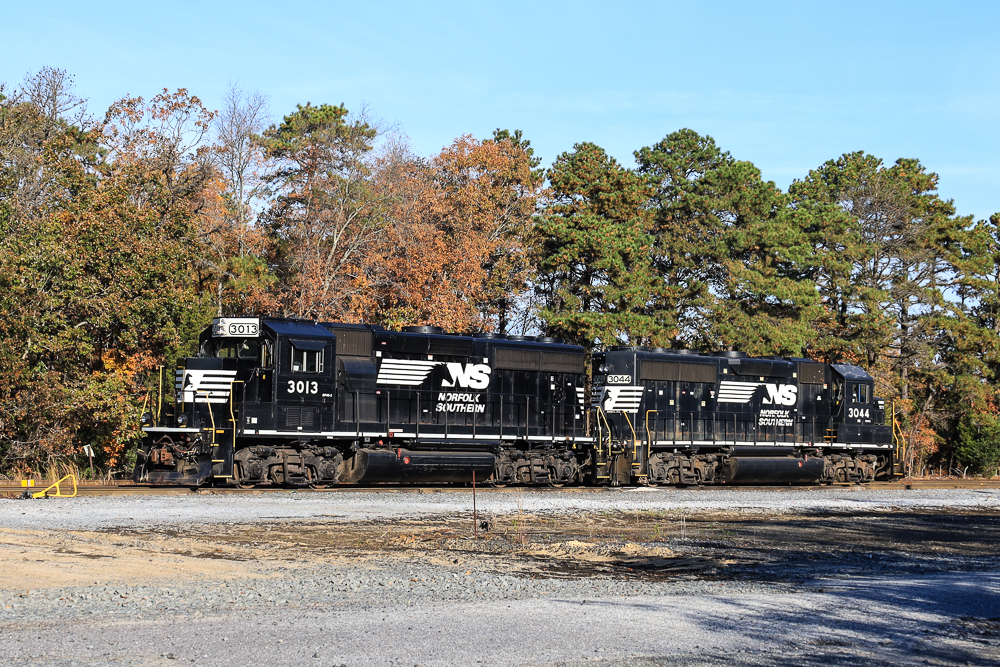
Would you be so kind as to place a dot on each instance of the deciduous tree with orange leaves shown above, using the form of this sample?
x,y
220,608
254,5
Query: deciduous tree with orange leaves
x,y
456,250
95,277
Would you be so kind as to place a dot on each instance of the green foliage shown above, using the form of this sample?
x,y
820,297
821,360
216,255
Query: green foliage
x,y
325,206
595,277
978,443
517,141
95,289
728,254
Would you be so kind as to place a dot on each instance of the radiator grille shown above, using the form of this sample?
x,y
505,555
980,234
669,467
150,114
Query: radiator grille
x,y
698,373
666,371
516,360
812,373
562,362
672,371
353,342
455,348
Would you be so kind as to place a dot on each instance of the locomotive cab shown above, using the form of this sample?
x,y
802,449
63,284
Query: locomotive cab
x,y
858,416
251,378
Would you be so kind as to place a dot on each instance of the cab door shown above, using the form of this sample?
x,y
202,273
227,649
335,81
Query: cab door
x,y
859,404
304,384
258,413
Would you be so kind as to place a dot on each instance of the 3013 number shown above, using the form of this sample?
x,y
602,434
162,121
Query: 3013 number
x,y
303,387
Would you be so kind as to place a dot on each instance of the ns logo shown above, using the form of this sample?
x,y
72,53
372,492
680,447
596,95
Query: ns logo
x,y
780,394
469,376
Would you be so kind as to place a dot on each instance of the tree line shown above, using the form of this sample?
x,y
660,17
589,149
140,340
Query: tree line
x,y
122,236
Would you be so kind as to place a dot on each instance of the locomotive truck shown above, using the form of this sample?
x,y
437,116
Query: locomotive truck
x,y
271,401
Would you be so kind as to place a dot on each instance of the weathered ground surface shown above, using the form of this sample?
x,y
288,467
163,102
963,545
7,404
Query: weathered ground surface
x,y
625,578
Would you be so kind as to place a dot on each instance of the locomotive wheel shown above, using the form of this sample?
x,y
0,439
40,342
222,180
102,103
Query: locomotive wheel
x,y
240,482
314,481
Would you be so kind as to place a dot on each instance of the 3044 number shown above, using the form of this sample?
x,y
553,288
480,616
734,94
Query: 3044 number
x,y
858,413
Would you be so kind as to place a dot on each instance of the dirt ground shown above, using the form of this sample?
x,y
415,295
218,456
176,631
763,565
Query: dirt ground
x,y
640,545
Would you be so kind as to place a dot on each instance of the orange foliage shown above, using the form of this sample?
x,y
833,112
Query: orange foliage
x,y
456,250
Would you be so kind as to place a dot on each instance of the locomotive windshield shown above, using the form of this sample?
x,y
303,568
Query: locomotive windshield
x,y
231,349
837,395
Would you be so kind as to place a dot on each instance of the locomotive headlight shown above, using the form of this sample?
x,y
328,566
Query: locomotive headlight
x,y
146,419
603,368
182,420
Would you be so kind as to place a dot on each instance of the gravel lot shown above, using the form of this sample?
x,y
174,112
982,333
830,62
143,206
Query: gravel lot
x,y
143,511
395,578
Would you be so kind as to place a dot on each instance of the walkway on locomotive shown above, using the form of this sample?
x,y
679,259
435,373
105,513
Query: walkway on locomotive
x,y
280,378
671,398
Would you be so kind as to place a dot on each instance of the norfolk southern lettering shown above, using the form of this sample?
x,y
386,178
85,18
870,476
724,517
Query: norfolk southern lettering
x,y
272,401
451,402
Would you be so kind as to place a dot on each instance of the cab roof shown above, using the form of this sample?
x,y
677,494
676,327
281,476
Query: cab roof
x,y
298,329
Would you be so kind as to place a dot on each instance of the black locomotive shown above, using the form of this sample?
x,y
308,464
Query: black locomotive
x,y
294,402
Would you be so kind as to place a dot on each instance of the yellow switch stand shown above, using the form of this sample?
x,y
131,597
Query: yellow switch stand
x,y
44,493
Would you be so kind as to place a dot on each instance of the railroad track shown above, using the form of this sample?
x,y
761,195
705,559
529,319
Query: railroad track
x,y
144,490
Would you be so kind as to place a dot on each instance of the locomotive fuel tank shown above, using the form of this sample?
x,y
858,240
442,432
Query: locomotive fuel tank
x,y
772,470
370,466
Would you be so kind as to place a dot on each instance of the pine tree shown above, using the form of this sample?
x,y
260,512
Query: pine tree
x,y
595,276
727,253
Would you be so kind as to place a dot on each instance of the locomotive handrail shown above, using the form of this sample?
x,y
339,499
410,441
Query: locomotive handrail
x,y
159,396
600,433
232,415
211,414
649,438
600,413
635,439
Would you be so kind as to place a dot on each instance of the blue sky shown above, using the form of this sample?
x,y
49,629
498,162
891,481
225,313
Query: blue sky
x,y
786,85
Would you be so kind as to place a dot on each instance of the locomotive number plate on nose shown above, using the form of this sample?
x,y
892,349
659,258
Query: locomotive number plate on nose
x,y
619,379
243,329
235,326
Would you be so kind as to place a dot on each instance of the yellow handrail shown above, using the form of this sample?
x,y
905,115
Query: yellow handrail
x,y
600,413
600,432
211,414
44,493
630,427
159,396
232,415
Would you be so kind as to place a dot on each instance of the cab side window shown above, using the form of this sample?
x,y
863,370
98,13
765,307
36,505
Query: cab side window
x,y
861,393
307,361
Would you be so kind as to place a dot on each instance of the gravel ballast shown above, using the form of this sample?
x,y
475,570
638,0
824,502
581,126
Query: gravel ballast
x,y
143,511
291,603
